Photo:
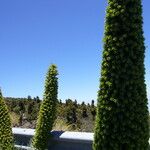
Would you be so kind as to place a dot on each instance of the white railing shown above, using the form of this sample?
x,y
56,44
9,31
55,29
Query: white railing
x,y
61,140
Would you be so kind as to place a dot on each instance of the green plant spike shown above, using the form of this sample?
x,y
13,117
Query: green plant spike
x,y
122,108
47,112
6,136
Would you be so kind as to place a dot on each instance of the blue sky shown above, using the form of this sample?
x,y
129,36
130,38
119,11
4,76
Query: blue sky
x,y
35,33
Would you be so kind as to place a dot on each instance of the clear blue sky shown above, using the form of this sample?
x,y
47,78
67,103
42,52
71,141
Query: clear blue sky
x,y
69,33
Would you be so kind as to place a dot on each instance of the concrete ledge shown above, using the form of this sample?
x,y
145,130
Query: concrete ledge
x,y
61,141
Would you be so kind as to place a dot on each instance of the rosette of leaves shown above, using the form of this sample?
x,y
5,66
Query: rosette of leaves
x,y
122,111
6,136
47,112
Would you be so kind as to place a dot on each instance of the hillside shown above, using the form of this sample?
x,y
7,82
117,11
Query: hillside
x,y
70,115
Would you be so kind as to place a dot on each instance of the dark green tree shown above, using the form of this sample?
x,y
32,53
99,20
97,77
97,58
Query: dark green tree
x,y
122,111
22,106
93,112
75,103
30,107
29,98
38,99
83,104
69,102
47,112
60,102
6,136
92,103
71,115
84,111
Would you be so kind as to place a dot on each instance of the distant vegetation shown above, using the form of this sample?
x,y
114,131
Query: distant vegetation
x,y
70,114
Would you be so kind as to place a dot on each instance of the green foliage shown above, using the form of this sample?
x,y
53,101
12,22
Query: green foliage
x,y
84,111
47,112
30,108
70,112
122,112
93,112
22,107
6,136
71,115
26,108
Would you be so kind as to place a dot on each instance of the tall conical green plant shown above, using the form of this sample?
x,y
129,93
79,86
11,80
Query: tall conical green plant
x,y
47,110
122,111
6,136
